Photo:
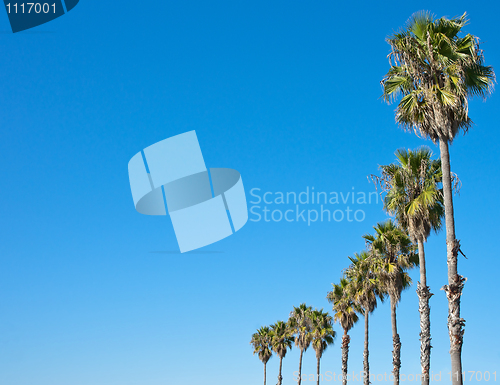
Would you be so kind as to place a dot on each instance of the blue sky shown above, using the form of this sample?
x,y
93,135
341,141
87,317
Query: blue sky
x,y
285,92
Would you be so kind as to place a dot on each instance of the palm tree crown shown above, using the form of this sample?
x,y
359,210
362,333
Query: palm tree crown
x,y
436,71
261,342
412,191
322,331
300,322
281,338
364,286
394,255
343,305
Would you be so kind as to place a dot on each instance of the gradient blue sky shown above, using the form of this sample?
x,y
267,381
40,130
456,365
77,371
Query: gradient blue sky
x,y
287,93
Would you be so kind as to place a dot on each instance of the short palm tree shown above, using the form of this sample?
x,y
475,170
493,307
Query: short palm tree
x,y
300,322
261,342
413,196
437,70
281,342
322,334
344,310
392,249
364,289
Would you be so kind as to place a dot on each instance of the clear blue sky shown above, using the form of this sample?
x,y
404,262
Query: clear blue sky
x,y
287,93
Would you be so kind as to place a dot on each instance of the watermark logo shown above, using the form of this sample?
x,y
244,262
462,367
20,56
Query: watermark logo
x,y
310,206
205,205
23,15
361,377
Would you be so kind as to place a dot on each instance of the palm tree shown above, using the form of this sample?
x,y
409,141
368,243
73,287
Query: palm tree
x,y
437,71
393,251
414,198
261,342
300,322
345,313
322,334
364,289
281,341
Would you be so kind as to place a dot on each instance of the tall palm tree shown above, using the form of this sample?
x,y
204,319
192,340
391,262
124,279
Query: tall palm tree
x,y
437,70
261,342
281,342
393,251
364,289
300,322
414,198
322,334
345,313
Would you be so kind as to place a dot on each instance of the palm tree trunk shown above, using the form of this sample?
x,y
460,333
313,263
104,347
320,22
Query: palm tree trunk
x,y
345,353
425,323
396,353
366,365
317,369
265,374
455,282
300,366
280,378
